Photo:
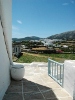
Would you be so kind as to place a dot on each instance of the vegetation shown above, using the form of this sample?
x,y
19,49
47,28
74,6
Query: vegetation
x,y
29,57
61,56
26,38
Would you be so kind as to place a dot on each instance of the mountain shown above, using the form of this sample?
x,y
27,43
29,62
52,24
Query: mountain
x,y
26,38
70,35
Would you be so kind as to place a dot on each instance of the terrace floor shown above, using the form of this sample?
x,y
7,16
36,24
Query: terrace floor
x,y
36,85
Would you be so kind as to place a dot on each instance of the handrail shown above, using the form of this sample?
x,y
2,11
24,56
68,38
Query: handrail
x,y
56,71
55,61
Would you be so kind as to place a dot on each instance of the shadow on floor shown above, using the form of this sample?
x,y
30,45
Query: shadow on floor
x,y
28,90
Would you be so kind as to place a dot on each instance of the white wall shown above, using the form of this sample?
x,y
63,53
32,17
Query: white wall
x,y
69,76
4,66
6,17
4,60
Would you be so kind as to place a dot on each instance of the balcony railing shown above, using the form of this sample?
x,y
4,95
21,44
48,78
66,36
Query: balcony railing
x,y
56,71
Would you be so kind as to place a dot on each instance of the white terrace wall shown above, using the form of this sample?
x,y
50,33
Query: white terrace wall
x,y
69,77
5,26
4,66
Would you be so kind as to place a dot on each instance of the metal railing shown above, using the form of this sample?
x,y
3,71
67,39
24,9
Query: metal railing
x,y
56,71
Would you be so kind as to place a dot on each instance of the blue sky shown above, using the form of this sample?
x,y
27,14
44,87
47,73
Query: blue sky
x,y
42,18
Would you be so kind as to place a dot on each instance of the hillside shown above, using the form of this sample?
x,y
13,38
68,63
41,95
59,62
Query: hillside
x,y
70,35
26,38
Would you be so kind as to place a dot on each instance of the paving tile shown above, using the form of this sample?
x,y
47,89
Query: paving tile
x,y
13,96
14,89
47,79
49,94
52,99
43,88
28,83
66,98
38,81
30,89
60,93
18,83
53,85
33,96
36,99
28,78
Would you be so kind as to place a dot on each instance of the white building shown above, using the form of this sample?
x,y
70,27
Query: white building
x,y
47,42
16,50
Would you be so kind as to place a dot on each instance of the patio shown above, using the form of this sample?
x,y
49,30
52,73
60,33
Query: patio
x,y
36,85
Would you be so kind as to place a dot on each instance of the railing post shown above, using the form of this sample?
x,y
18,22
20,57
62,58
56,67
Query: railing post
x,y
52,68
63,76
60,73
57,71
49,67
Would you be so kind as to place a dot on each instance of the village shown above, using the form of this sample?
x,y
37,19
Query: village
x,y
46,46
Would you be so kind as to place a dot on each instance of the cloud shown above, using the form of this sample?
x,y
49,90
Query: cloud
x,y
20,22
65,4
18,34
15,30
72,2
15,27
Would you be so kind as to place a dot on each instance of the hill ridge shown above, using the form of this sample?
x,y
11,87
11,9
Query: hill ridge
x,y
69,35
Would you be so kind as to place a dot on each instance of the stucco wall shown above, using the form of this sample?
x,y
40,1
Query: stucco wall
x,y
4,66
6,18
5,7
69,76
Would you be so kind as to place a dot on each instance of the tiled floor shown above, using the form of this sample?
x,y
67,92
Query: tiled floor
x,y
36,85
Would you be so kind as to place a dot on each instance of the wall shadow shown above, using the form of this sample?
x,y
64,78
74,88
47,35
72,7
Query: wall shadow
x,y
34,91
28,90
